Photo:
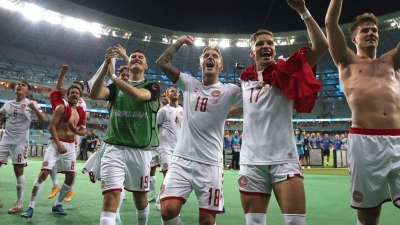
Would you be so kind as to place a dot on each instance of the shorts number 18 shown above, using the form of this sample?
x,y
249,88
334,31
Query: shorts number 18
x,y
217,194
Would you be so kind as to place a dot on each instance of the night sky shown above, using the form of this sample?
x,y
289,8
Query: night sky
x,y
223,16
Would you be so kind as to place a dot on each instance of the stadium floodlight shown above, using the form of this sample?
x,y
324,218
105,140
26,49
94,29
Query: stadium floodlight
x,y
31,11
52,17
213,42
292,41
8,5
242,44
199,42
75,24
164,40
94,28
224,43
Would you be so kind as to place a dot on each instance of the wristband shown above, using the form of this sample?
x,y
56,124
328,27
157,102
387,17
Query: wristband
x,y
305,15
112,77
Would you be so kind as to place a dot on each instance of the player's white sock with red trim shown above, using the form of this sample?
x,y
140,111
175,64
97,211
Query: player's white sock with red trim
x,y
153,185
63,192
21,183
175,221
256,218
107,218
36,190
142,216
359,223
54,176
294,219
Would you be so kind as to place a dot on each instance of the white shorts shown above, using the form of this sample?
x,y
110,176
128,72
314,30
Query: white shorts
x,y
66,163
165,159
374,167
206,180
155,159
258,179
121,164
18,153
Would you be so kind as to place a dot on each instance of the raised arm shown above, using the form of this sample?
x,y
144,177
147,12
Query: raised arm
x,y
122,52
99,92
396,58
41,116
60,79
319,44
164,62
337,42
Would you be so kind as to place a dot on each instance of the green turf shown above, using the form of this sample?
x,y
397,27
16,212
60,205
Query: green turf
x,y
327,195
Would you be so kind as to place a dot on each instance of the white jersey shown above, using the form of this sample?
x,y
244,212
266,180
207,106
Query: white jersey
x,y
80,103
18,120
267,128
204,114
170,120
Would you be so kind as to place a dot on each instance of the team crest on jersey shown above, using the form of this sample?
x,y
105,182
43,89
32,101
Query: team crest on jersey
x,y
243,182
120,93
357,196
216,93
195,90
23,106
181,113
45,163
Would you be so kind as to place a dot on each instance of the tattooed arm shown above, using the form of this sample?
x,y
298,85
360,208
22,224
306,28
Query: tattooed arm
x,y
164,62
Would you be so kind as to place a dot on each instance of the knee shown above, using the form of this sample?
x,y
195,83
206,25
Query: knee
x,y
140,199
43,176
168,213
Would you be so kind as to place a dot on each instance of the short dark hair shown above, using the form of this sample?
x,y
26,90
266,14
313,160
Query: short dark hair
x,y
363,18
80,84
72,87
27,84
138,50
122,68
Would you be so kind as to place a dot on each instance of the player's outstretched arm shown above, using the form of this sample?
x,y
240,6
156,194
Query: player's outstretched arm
x,y
164,62
60,79
396,58
319,44
99,92
140,95
337,42
41,116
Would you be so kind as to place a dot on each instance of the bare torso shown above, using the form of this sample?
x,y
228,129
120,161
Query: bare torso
x,y
62,128
372,91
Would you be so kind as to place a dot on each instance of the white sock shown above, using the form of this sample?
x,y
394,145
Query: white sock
x,y
54,176
256,218
142,216
21,183
36,190
121,199
152,184
74,180
359,223
107,218
63,192
175,221
294,219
